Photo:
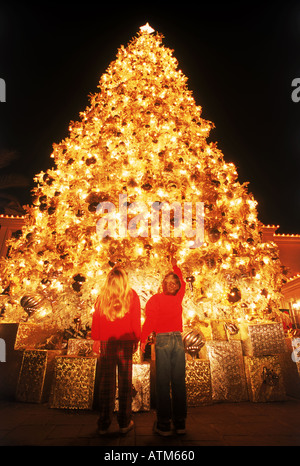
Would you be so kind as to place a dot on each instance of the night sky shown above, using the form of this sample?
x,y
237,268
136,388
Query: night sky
x,y
240,59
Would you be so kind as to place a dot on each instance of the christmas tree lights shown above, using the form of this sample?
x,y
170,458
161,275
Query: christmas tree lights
x,y
142,139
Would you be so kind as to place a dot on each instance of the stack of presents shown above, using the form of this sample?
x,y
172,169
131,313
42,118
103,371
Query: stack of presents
x,y
249,361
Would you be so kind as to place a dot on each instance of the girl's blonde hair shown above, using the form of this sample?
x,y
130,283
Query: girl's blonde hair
x,y
114,298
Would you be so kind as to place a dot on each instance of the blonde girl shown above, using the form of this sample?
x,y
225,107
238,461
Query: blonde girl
x,y
116,330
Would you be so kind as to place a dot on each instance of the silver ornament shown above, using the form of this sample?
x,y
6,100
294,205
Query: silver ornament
x,y
193,342
35,303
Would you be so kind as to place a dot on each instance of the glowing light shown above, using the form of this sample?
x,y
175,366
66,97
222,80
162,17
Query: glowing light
x,y
296,305
147,28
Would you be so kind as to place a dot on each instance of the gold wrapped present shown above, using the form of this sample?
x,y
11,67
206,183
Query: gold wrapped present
x,y
73,383
205,329
32,376
198,382
264,378
217,330
37,336
35,376
80,347
263,339
201,326
227,371
140,388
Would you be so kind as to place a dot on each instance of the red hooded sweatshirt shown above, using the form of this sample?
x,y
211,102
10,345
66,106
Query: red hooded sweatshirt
x,y
164,312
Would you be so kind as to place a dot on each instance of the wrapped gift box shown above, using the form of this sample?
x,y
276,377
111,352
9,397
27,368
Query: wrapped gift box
x,y
218,330
35,375
73,382
32,376
140,388
263,339
205,329
37,336
80,347
198,382
141,385
227,371
264,378
137,357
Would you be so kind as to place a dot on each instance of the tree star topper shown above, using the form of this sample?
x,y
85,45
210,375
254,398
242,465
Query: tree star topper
x,y
147,28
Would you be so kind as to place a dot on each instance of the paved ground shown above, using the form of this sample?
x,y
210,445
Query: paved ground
x,y
227,424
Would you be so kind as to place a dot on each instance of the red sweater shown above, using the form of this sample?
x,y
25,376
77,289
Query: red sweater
x,y
126,328
164,312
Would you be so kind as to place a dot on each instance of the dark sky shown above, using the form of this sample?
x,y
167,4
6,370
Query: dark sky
x,y
240,59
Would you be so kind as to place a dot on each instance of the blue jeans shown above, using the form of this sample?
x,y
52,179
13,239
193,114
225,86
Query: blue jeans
x,y
170,373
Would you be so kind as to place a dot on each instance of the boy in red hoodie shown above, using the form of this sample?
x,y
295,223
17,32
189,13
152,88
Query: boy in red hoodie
x,y
164,317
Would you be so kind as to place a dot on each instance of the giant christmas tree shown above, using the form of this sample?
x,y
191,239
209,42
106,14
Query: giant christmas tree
x,y
139,148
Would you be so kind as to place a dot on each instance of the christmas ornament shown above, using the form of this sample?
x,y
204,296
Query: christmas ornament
x,y
234,296
190,280
210,261
78,282
214,235
2,312
193,342
35,304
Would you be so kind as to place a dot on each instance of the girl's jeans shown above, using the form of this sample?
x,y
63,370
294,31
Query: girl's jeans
x,y
170,372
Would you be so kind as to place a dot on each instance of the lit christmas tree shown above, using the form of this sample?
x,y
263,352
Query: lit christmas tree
x,y
139,148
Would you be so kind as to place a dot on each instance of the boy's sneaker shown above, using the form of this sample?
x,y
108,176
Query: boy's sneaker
x,y
180,428
103,430
162,428
124,430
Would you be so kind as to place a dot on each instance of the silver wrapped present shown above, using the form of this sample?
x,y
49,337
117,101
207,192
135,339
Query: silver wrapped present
x,y
227,371
263,339
35,377
140,388
80,347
